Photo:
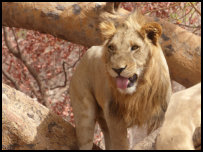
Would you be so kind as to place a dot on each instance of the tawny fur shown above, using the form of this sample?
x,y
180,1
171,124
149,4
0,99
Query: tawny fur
x,y
182,117
93,92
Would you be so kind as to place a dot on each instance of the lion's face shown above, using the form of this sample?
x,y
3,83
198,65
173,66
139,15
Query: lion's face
x,y
127,50
126,56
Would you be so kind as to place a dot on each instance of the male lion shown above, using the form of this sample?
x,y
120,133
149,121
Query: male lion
x,y
123,83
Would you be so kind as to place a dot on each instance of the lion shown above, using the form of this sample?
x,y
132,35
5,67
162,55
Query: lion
x,y
123,83
182,117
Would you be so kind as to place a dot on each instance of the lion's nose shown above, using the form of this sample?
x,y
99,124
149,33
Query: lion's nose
x,y
118,71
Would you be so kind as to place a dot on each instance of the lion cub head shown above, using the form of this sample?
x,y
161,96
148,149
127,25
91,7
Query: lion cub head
x,y
127,50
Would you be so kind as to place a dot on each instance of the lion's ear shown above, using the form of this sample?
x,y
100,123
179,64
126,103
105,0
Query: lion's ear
x,y
107,29
152,30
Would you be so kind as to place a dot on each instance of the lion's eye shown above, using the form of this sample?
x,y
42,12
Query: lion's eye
x,y
111,47
134,47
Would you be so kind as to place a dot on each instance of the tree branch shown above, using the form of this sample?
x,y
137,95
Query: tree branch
x,y
17,54
65,72
10,79
195,8
27,125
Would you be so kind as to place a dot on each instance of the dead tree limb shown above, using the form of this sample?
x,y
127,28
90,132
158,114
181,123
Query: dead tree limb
x,y
78,23
26,124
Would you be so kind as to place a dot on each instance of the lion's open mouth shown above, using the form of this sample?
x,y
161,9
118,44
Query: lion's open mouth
x,y
123,83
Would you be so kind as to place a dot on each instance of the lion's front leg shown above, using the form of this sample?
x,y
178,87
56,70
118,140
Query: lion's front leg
x,y
118,135
117,132
84,109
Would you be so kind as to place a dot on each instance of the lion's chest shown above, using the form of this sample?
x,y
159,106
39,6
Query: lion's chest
x,y
125,109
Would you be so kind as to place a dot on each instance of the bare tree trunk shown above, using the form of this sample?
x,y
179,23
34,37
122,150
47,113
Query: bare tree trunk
x,y
26,124
182,50
75,22
78,23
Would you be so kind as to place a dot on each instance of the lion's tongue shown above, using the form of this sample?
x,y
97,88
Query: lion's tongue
x,y
121,82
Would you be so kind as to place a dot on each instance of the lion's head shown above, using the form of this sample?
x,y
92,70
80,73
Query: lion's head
x,y
127,50
137,70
